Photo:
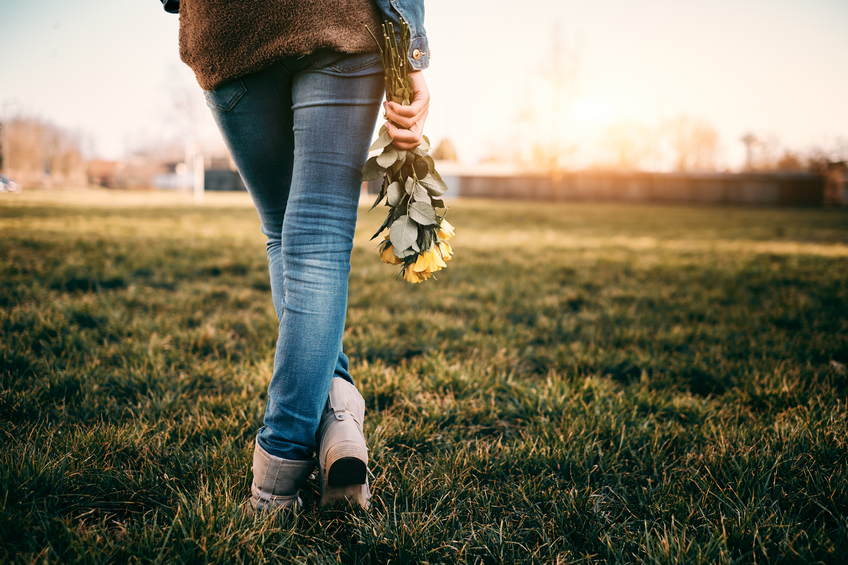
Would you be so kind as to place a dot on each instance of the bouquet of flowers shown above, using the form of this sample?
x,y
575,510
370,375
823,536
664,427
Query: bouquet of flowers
x,y
418,234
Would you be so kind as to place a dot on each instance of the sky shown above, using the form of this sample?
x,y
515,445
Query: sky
x,y
776,68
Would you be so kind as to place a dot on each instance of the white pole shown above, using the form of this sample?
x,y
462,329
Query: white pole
x,y
7,136
198,178
188,163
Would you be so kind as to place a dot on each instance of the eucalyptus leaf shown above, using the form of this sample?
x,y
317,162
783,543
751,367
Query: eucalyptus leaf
x,y
428,238
403,233
395,193
379,198
387,158
421,168
410,185
431,164
423,213
372,170
438,203
434,184
419,193
425,143
382,141
404,253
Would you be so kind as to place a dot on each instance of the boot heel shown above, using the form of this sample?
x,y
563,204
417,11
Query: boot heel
x,y
346,471
343,453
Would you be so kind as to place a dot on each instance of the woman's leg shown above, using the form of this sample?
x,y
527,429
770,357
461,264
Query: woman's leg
x,y
334,112
299,134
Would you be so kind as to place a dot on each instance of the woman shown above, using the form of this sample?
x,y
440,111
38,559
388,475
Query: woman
x,y
295,88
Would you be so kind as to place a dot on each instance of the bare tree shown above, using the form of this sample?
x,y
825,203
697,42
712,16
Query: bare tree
x,y
41,153
790,161
545,106
694,143
629,143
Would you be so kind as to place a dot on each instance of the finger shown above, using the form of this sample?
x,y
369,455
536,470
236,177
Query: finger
x,y
408,138
404,138
414,108
405,116
411,133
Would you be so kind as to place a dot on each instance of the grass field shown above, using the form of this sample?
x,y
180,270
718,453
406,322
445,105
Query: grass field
x,y
584,384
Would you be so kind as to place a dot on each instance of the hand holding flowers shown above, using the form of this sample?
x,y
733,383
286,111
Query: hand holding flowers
x,y
412,187
406,123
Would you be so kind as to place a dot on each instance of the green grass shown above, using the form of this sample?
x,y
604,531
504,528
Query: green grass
x,y
584,384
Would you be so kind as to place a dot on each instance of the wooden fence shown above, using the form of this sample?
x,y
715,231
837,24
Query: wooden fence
x,y
764,189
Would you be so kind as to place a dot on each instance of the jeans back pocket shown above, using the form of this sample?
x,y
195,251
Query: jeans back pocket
x,y
225,98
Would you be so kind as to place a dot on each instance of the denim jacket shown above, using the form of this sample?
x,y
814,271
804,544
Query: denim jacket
x,y
412,11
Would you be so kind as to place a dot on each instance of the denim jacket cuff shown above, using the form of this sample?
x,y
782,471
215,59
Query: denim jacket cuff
x,y
419,46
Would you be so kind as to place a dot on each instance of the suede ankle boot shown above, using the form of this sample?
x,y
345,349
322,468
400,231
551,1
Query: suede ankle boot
x,y
276,481
342,453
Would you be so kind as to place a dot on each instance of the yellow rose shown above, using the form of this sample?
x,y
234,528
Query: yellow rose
x,y
429,262
446,230
388,255
423,263
411,276
436,258
446,250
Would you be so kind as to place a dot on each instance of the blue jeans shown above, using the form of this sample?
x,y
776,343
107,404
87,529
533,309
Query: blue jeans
x,y
299,132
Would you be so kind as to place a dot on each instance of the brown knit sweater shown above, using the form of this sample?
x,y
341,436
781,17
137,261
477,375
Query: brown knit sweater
x,y
224,39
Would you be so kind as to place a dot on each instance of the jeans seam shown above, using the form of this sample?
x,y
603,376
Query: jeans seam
x,y
352,69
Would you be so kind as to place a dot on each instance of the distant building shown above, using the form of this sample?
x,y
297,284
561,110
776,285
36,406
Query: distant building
x,y
219,174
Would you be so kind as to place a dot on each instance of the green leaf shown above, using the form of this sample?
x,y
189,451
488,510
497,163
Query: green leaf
x,y
437,203
382,141
382,194
431,165
387,158
428,238
395,193
409,185
419,193
403,233
423,213
434,184
379,198
372,170
421,168
421,152
404,253
425,143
